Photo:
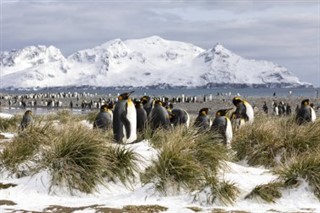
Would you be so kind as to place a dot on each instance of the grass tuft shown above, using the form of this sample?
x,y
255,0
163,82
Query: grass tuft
x,y
188,160
122,164
74,159
306,167
10,124
25,146
268,192
271,142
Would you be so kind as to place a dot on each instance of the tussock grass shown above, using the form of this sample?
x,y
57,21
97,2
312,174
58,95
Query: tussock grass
x,y
210,151
188,160
91,116
272,141
25,146
226,192
305,167
63,116
74,159
175,165
10,124
122,164
268,192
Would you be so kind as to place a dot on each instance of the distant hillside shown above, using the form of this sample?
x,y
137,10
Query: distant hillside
x,y
149,62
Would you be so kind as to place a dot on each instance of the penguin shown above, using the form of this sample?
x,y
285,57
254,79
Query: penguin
x,y
110,107
159,117
222,125
125,119
147,103
104,118
313,113
26,120
203,122
275,109
244,110
179,117
304,112
142,117
265,108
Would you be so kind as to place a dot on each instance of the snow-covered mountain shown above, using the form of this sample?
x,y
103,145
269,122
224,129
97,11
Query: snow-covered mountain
x,y
148,62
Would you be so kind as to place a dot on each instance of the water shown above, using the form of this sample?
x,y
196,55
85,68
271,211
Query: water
x,y
246,92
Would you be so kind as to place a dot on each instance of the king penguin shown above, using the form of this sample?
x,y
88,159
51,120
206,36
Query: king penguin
x,y
125,119
203,122
147,103
103,119
179,117
244,111
222,125
26,120
142,117
159,117
305,113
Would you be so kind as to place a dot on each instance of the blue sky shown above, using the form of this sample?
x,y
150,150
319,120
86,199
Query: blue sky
x,y
286,32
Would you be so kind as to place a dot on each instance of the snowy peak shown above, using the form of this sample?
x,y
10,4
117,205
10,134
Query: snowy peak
x,y
227,67
146,62
32,55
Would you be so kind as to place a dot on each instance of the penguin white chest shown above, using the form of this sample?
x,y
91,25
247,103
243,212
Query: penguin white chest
x,y
249,112
313,115
229,133
132,118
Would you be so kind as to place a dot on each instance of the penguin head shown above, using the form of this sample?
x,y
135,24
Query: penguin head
x,y
145,99
305,102
222,112
110,105
137,104
125,96
158,103
168,105
204,111
104,108
236,100
28,112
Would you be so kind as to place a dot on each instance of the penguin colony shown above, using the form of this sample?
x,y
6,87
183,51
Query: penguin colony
x,y
133,116
127,116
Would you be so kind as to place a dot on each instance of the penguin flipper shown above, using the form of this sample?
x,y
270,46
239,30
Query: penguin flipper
x,y
126,124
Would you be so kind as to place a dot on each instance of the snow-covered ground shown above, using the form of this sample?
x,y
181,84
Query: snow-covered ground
x,y
32,193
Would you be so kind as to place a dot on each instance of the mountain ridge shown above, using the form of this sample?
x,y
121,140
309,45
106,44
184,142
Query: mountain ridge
x,y
148,62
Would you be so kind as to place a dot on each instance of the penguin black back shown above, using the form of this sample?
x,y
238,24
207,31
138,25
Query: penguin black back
x,y
303,112
222,125
104,119
159,117
147,103
203,121
142,116
26,120
179,117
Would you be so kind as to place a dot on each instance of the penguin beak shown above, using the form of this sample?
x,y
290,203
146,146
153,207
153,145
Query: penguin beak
x,y
129,93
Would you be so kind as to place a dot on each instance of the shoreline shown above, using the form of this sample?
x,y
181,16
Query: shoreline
x,y
214,104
